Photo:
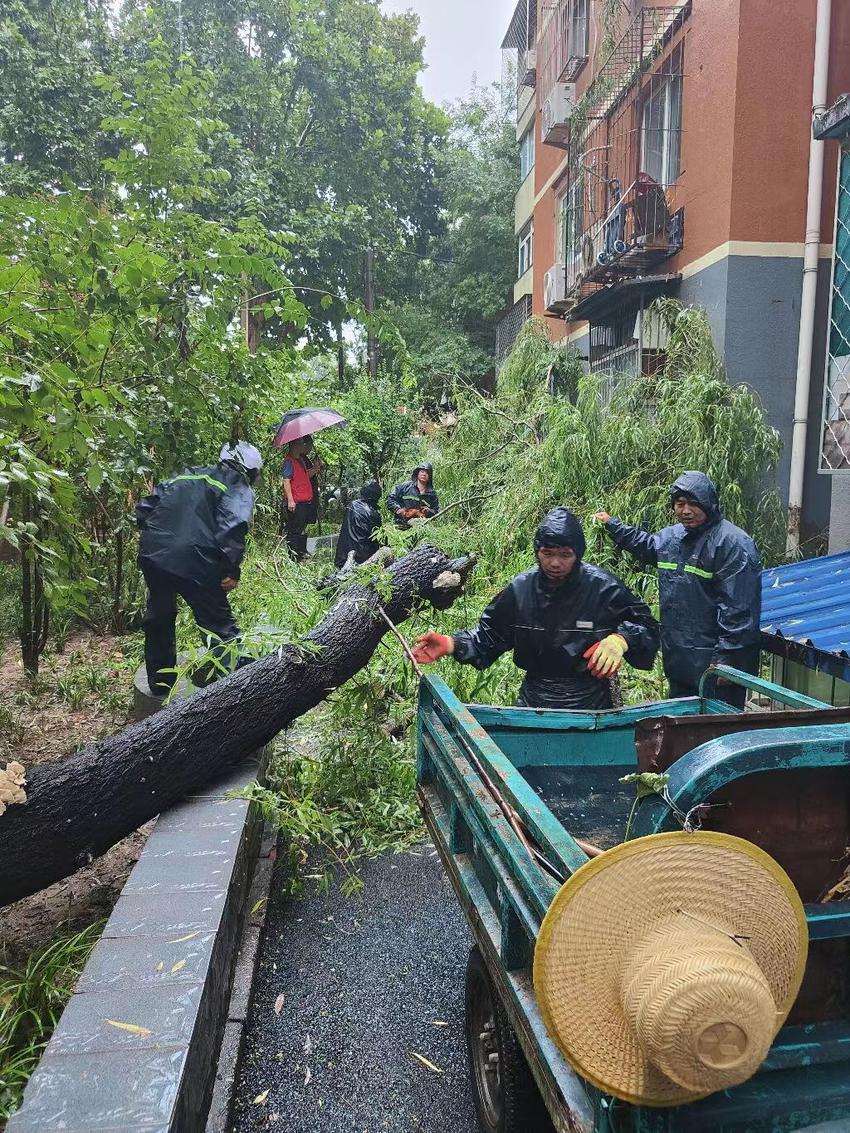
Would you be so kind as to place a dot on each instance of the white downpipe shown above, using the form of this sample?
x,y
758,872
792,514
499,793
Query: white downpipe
x,y
810,281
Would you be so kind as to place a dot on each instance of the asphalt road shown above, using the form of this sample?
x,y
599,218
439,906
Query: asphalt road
x,y
367,983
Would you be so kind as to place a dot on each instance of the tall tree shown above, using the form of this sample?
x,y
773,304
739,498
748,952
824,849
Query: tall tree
x,y
50,54
330,140
465,281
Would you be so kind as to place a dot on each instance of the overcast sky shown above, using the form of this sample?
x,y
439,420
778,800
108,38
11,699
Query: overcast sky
x,y
462,39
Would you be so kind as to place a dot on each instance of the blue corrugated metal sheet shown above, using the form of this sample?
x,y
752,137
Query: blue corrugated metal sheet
x,y
807,605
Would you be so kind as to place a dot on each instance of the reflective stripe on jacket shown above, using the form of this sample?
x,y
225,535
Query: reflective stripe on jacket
x,y
709,583
194,525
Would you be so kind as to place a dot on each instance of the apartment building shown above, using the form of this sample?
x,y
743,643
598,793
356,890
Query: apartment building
x,y
834,435
667,152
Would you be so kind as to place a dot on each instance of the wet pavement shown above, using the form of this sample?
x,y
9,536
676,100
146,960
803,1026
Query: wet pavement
x,y
349,991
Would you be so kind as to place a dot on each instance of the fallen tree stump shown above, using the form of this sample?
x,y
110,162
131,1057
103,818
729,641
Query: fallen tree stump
x,y
78,807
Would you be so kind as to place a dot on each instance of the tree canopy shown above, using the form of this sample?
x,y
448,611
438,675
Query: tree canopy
x,y
187,195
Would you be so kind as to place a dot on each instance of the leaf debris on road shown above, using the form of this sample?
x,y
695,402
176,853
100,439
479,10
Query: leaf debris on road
x,y
427,1063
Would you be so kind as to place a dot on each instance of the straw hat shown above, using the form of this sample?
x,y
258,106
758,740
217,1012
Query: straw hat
x,y
665,967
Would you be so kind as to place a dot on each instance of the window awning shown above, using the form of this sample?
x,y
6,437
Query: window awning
x,y
516,37
611,299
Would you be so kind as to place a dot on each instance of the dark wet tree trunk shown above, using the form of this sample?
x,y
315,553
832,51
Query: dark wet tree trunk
x,y
80,806
35,612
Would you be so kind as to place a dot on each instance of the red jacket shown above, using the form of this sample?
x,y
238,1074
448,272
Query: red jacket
x,y
302,485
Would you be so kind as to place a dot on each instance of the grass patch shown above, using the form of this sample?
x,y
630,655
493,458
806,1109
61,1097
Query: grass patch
x,y
31,1000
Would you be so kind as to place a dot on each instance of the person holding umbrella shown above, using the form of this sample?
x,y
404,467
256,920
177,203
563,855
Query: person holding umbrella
x,y
299,472
299,494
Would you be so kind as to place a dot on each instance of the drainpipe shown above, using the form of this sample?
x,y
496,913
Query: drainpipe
x,y
810,282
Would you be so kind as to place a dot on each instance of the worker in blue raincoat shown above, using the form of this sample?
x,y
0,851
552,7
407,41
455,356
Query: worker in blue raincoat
x,y
193,530
361,522
709,580
569,624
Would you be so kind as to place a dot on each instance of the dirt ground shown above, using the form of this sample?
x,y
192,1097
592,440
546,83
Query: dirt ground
x,y
80,695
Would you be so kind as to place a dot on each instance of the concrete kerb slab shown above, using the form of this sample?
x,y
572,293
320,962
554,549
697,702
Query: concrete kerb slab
x,y
220,1114
139,1041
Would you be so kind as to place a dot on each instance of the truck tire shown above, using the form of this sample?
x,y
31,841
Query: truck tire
x,y
506,1096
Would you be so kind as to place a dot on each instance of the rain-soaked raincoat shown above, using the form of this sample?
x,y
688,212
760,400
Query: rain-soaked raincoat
x,y
550,628
362,520
194,525
407,495
709,580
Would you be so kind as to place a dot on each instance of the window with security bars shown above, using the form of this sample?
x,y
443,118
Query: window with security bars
x,y
630,344
661,128
835,446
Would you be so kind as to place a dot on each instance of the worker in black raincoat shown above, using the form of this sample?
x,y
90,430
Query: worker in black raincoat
x,y
568,623
362,520
415,498
709,580
192,542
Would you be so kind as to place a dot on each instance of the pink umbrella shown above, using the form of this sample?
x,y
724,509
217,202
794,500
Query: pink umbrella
x,y
304,422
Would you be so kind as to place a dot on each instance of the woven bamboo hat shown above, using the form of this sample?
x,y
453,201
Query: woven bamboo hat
x,y
665,967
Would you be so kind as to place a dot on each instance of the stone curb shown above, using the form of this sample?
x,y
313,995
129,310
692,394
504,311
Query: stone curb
x,y
230,1057
138,1043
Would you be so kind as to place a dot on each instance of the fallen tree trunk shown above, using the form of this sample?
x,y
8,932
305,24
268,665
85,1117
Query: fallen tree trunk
x,y
80,806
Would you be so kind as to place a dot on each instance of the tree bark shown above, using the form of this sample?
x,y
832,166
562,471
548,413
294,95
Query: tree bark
x,y
80,806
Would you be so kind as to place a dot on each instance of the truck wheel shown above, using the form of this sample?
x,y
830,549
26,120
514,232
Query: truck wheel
x,y
506,1096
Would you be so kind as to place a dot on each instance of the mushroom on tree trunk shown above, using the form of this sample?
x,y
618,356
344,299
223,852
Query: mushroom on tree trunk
x,y
78,807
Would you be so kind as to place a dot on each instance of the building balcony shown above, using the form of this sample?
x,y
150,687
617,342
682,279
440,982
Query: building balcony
x,y
519,49
526,74
639,232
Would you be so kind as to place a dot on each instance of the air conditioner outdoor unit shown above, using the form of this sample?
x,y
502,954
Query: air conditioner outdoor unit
x,y
555,287
555,114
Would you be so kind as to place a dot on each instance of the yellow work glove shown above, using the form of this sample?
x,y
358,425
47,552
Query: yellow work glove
x,y
606,656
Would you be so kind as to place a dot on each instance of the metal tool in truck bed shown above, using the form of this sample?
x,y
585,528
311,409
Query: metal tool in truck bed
x,y
509,795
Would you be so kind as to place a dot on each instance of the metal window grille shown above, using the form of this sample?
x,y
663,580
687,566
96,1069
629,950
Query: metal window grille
x,y
835,443
518,46
632,344
625,150
509,326
564,42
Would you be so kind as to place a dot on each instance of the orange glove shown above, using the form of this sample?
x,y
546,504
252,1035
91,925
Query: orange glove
x,y
430,647
606,656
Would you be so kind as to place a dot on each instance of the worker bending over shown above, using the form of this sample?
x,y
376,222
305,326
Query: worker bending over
x,y
359,527
192,542
709,581
568,623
